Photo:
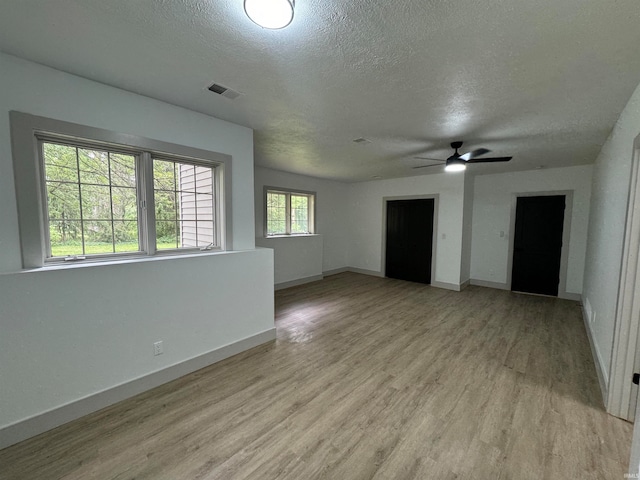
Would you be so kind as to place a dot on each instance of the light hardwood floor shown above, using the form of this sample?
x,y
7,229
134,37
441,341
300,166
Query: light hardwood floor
x,y
368,378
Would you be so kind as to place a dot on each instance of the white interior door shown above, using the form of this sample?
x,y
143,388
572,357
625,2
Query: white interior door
x,y
622,394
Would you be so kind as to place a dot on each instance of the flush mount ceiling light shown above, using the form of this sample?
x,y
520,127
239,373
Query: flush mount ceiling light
x,y
272,14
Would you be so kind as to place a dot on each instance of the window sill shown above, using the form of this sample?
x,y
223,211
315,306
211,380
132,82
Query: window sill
x,y
297,235
123,261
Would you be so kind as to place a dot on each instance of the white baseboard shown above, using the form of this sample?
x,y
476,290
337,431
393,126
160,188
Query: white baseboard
x,y
503,286
447,286
576,297
299,281
603,375
328,273
485,283
40,423
335,271
364,271
374,273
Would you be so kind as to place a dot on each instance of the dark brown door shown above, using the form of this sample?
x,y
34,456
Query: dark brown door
x,y
538,244
409,239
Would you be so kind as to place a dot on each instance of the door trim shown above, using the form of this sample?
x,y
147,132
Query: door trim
x,y
434,242
566,237
621,393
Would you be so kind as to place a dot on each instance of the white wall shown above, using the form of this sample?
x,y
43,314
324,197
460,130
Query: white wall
x,y
71,333
295,259
304,257
609,199
467,223
367,223
492,212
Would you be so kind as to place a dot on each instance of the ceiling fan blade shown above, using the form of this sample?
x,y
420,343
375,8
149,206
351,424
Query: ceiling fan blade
x,y
426,166
489,160
473,154
430,159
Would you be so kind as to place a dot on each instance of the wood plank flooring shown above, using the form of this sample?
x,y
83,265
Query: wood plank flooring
x,y
369,378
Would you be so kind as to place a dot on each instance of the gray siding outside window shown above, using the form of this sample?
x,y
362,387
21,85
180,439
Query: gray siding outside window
x,y
196,187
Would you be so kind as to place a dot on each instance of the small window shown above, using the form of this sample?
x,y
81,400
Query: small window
x,y
91,194
289,212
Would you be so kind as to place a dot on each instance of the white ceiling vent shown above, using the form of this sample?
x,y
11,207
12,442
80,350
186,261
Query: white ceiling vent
x,y
224,91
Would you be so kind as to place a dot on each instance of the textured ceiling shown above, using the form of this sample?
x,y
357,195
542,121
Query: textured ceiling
x,y
541,80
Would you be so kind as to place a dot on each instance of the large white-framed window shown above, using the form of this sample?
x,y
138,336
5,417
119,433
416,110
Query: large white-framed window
x,y
87,194
289,212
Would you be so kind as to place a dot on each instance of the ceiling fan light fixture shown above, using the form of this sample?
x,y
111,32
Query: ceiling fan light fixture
x,y
271,14
455,165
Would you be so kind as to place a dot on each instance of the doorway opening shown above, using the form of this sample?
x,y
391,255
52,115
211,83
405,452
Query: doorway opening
x,y
409,239
537,247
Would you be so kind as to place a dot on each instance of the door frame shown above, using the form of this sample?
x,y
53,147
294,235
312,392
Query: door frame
x,y
566,237
436,199
622,394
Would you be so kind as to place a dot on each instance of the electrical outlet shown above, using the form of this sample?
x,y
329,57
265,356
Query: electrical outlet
x,y
157,348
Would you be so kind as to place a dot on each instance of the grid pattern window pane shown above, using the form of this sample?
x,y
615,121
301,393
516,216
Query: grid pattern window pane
x,y
276,213
91,201
289,213
299,213
184,196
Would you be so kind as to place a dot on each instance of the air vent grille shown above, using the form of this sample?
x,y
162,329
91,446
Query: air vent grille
x,y
219,89
224,91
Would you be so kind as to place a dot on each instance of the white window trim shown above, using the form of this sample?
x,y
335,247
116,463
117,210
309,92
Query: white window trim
x,y
27,132
289,191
